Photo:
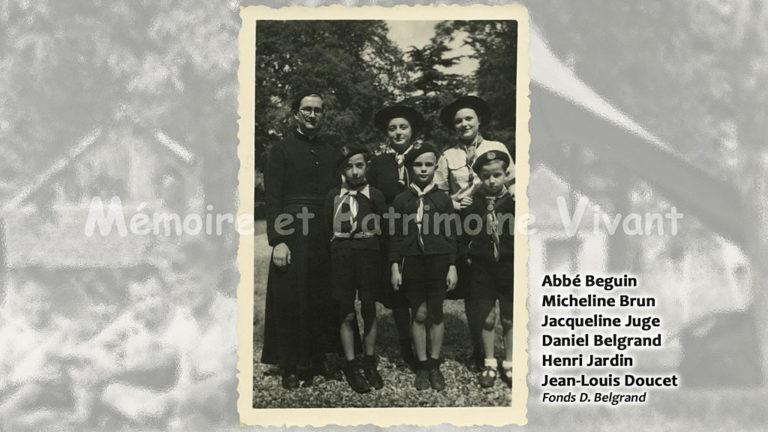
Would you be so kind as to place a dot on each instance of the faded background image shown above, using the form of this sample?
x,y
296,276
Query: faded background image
x,y
637,107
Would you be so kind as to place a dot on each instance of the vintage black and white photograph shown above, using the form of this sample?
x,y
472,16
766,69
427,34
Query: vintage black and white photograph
x,y
384,203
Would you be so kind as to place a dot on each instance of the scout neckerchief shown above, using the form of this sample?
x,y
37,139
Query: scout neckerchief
x,y
471,152
493,222
402,173
421,193
348,206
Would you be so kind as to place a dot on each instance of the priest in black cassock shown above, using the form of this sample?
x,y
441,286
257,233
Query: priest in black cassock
x,y
300,322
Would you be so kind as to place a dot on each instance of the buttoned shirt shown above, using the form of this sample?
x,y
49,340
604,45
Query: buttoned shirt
x,y
300,171
438,235
454,169
480,242
367,231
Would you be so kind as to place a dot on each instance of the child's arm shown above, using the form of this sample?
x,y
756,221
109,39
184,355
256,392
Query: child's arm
x,y
451,235
379,208
463,239
451,278
442,173
397,277
395,241
329,209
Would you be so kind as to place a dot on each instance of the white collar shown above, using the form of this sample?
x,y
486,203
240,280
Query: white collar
x,y
345,190
427,189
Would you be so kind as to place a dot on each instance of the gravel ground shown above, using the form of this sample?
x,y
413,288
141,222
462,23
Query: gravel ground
x,y
461,384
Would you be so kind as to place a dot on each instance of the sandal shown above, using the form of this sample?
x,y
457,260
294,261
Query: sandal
x,y
488,377
506,376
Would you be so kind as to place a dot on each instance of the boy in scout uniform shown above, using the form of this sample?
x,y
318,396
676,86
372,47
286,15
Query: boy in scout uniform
x,y
491,255
422,256
353,211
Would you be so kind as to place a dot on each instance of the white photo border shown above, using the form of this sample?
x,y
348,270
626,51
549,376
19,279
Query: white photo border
x,y
462,416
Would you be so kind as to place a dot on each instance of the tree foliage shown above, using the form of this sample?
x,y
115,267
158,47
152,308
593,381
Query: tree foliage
x,y
433,86
361,70
494,46
353,63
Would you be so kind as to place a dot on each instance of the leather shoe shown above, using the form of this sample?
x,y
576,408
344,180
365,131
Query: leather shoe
x,y
422,376
436,379
355,378
330,370
372,374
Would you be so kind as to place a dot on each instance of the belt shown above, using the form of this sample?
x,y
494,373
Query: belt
x,y
305,200
357,235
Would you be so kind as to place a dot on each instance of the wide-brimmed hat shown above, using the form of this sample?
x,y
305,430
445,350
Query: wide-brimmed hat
x,y
480,107
385,115
411,156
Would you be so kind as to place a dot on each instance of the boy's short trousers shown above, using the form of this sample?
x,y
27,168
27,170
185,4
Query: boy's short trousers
x,y
424,278
493,280
354,270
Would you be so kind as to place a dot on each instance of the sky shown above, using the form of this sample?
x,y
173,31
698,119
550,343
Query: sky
x,y
418,33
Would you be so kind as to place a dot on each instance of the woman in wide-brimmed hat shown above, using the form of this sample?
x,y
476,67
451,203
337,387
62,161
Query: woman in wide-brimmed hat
x,y
387,173
454,174
402,125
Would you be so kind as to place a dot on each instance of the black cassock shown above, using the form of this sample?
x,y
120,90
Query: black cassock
x,y
300,315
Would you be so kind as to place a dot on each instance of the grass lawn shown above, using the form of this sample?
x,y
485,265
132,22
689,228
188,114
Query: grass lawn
x,y
461,389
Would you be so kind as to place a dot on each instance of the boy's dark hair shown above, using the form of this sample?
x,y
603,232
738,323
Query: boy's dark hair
x,y
347,151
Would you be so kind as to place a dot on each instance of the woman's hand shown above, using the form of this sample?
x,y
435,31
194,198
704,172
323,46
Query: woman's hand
x,y
462,203
397,278
452,278
281,255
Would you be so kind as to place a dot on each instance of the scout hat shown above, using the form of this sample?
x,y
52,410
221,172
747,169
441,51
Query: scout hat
x,y
480,107
347,151
411,156
489,156
382,118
